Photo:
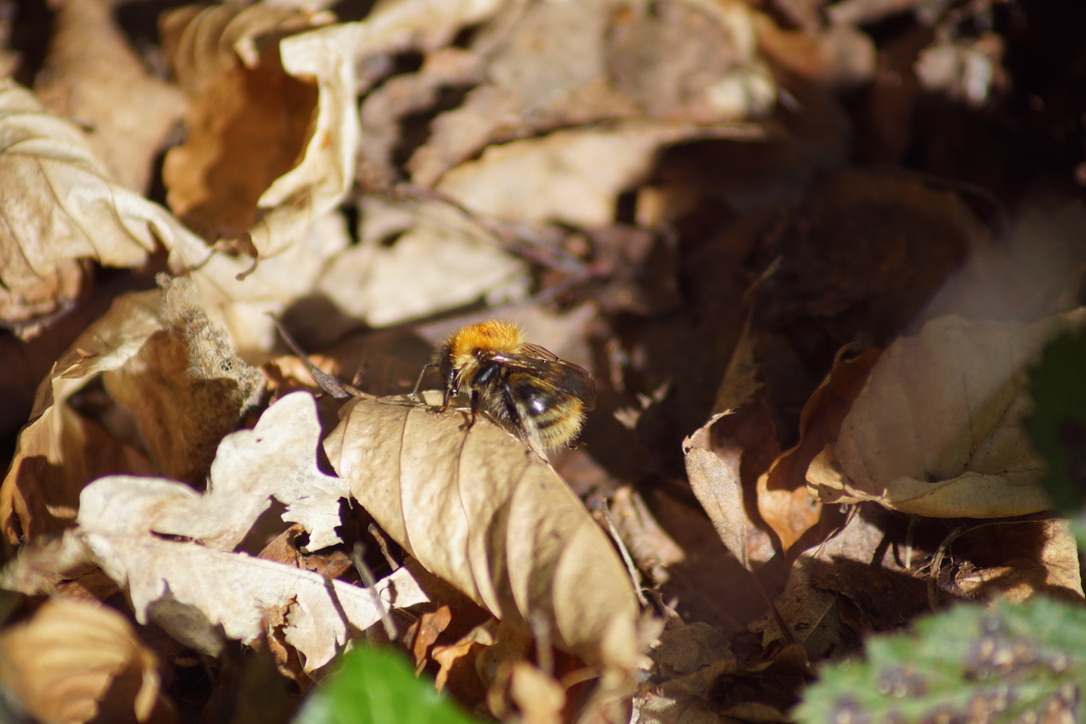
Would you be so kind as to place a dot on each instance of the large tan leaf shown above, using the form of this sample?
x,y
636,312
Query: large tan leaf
x,y
59,205
481,511
272,123
74,661
936,429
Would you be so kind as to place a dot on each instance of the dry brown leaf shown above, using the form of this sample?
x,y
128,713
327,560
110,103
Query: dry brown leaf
x,y
479,510
91,74
1012,560
77,661
61,205
785,502
197,594
690,59
937,430
714,469
883,568
272,124
651,548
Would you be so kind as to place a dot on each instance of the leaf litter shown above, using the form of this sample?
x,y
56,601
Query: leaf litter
x,y
808,321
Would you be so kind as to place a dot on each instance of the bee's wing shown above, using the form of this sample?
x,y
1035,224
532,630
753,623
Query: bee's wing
x,y
558,374
534,350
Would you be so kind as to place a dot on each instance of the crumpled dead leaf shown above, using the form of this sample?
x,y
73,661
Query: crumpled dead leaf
x,y
166,357
714,461
194,592
272,123
157,540
78,661
883,568
936,429
276,459
60,451
482,512
61,205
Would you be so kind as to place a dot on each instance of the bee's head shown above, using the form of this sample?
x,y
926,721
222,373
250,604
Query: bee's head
x,y
465,350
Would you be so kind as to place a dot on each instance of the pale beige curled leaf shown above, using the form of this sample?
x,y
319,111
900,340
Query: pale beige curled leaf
x,y
395,25
481,511
272,123
77,661
60,205
91,75
194,592
441,260
936,429
573,177
275,460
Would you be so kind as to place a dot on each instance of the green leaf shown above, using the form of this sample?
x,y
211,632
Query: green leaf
x,y
1057,426
377,686
969,663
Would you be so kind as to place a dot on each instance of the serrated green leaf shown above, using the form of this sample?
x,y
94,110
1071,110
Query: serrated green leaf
x,y
377,686
966,664
1057,426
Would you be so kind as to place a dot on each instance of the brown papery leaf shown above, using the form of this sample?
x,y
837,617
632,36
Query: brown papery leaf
x,y
58,205
936,429
481,511
74,661
272,123
91,74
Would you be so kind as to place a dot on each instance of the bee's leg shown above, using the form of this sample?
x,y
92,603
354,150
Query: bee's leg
x,y
474,407
418,382
452,388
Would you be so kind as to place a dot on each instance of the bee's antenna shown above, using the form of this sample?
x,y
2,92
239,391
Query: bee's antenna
x,y
418,382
